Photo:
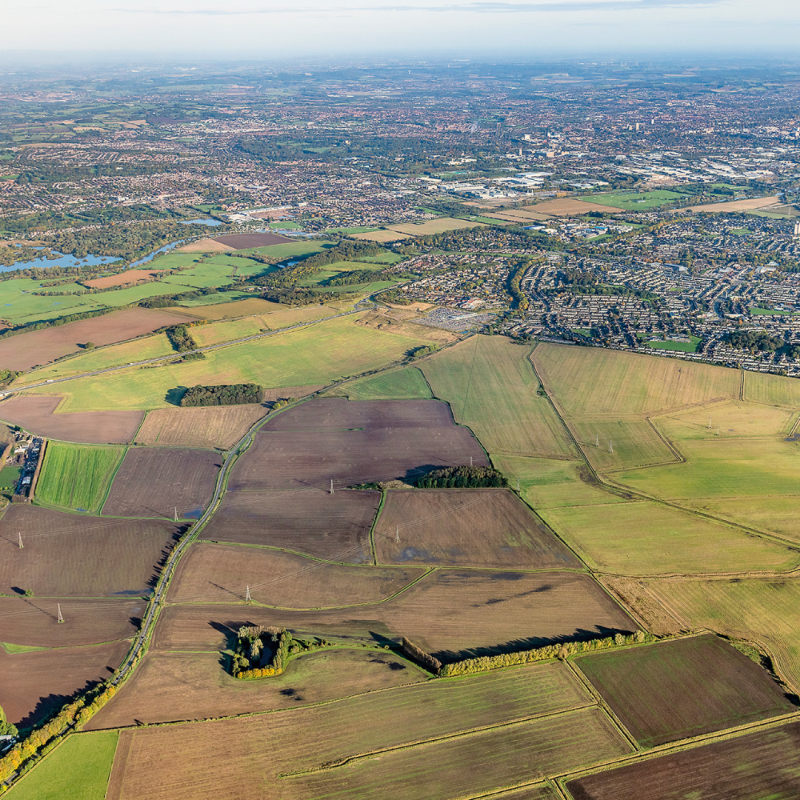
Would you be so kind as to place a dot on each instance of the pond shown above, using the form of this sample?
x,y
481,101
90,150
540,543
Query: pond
x,y
61,260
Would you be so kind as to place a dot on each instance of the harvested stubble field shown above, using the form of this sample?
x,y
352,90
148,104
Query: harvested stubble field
x,y
318,354
36,684
540,792
645,538
624,443
33,621
674,690
590,381
492,388
250,306
37,414
154,481
220,427
466,527
169,687
451,613
77,476
330,526
72,555
40,347
762,610
771,389
728,420
229,758
353,442
228,330
771,514
126,277
246,241
734,206
753,767
212,573
570,207
433,226
381,237
204,246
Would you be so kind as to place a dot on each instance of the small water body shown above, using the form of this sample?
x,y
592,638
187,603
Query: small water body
x,y
152,255
210,221
62,261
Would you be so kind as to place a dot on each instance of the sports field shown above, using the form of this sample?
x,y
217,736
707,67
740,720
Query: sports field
x,y
79,769
319,354
77,476
492,388
635,201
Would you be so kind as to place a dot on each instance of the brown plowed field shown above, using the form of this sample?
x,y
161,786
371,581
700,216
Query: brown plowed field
x,y
466,527
754,767
154,481
36,414
74,555
451,612
174,686
33,621
212,573
219,427
752,204
123,278
34,685
331,526
354,442
688,687
245,241
28,350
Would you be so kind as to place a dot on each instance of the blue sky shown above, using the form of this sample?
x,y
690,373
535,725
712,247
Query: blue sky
x,y
513,28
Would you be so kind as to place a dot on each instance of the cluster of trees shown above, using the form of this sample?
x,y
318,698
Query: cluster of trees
x,y
6,728
42,739
520,301
184,342
419,656
6,376
234,394
292,296
422,350
462,478
754,341
563,650
351,277
261,652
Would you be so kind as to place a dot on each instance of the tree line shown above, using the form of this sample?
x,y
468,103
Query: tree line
x,y
462,478
225,395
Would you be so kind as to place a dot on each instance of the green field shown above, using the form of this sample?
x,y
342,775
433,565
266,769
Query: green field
x,y
76,770
681,347
756,311
318,354
291,249
401,384
77,476
635,201
491,387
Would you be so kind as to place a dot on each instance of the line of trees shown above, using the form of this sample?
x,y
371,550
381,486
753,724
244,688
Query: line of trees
x,y
419,656
183,341
233,394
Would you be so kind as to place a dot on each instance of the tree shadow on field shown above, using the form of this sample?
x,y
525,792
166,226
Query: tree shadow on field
x,y
174,396
530,643
48,705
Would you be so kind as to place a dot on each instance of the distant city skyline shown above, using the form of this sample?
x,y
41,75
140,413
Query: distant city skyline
x,y
211,29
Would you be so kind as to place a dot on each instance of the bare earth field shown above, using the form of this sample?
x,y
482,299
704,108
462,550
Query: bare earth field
x,y
244,241
219,427
233,758
37,415
754,767
738,205
125,277
36,684
74,555
452,613
331,526
154,481
353,442
33,621
204,246
670,691
212,573
177,686
466,527
28,350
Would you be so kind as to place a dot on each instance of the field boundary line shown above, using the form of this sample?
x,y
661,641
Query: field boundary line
x,y
375,519
111,480
347,760
546,783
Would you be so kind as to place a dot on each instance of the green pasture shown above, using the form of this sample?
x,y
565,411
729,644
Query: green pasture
x,y
214,299
740,232
299,249
681,347
401,384
349,231
284,226
731,419
77,769
318,354
634,201
492,388
77,476
645,538
756,311
760,387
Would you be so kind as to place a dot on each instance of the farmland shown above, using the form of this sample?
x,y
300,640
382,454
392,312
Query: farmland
x,y
38,414
77,476
683,688
759,765
27,350
492,388
162,481
433,226
402,384
70,555
467,527
78,769
636,201
319,354
220,427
